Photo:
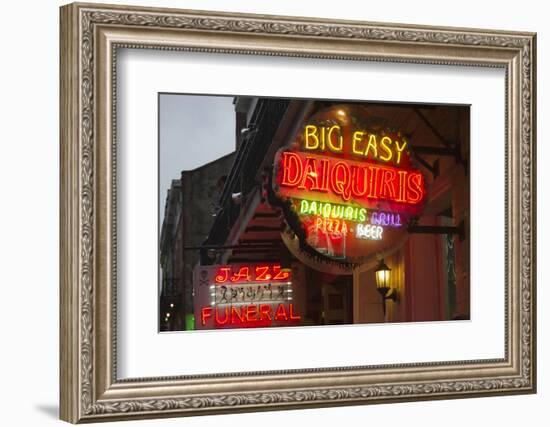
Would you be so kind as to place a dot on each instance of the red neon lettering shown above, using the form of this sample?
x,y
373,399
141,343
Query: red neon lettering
x,y
242,276
310,175
402,187
251,273
217,318
280,314
206,313
281,273
387,190
291,313
374,172
265,312
415,186
324,175
237,312
340,180
262,273
222,275
344,179
292,169
359,184
251,313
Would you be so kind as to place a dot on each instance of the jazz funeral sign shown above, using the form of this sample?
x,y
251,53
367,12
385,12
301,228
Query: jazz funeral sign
x,y
243,296
350,183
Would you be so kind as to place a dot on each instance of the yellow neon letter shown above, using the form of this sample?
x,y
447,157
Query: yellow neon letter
x,y
384,144
357,137
399,149
336,148
372,144
311,131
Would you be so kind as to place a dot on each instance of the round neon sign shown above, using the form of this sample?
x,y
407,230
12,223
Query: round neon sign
x,y
348,184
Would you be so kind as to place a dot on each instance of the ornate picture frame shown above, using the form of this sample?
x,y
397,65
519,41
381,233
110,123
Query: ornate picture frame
x,y
90,37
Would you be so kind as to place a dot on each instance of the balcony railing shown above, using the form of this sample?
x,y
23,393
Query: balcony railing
x,y
263,125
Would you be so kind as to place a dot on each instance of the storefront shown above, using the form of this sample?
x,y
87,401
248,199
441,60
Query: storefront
x,y
339,213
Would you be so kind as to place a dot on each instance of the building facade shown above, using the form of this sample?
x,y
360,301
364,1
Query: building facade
x,y
428,264
190,209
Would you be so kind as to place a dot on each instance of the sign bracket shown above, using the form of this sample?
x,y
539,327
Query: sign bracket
x,y
439,229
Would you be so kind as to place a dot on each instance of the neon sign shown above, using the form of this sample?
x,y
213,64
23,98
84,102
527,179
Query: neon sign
x,y
251,273
244,296
332,210
251,315
343,180
351,183
386,219
363,143
368,231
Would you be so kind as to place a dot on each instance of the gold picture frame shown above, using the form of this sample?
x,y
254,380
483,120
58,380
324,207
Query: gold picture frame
x,y
90,36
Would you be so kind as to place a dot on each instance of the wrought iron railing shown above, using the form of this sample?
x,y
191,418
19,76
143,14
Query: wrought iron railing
x,y
263,125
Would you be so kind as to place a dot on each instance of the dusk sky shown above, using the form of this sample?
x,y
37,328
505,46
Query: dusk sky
x,y
194,130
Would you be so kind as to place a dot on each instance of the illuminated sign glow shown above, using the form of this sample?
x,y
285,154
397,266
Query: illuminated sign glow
x,y
351,183
346,179
363,143
243,296
349,213
250,293
332,210
251,273
249,315
386,219
368,231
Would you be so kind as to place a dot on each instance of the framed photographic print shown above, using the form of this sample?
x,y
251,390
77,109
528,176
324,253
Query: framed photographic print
x,y
267,212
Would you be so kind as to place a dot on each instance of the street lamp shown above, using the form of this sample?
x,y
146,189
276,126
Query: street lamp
x,y
383,276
